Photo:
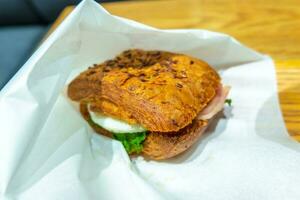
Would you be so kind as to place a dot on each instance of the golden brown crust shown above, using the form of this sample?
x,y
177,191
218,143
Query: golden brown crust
x,y
159,146
161,91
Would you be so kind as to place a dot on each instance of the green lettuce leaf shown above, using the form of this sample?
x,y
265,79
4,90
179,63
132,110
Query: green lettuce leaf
x,y
132,142
228,101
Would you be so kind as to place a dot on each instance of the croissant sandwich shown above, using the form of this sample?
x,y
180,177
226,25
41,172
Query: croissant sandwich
x,y
158,104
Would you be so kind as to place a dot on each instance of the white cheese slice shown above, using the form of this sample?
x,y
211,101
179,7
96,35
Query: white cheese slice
x,y
114,125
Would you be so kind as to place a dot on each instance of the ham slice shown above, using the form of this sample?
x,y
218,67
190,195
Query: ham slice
x,y
216,105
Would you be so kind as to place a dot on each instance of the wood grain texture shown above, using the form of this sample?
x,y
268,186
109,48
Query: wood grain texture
x,y
270,27
288,78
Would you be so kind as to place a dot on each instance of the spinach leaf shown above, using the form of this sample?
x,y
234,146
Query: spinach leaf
x,y
132,142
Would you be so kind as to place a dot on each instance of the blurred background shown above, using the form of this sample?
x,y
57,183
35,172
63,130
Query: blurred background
x,y
23,23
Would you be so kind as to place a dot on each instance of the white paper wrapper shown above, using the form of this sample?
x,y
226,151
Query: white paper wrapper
x,y
47,151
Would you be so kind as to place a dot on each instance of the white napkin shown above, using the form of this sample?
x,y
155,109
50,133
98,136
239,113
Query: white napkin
x,y
47,150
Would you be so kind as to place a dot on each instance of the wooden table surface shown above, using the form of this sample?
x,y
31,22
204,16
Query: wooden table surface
x,y
270,27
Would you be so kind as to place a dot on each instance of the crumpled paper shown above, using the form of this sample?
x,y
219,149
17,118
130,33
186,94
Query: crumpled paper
x,y
47,151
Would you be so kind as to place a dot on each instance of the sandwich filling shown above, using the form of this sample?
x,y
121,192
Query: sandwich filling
x,y
114,125
132,136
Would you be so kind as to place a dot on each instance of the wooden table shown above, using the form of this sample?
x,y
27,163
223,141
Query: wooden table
x,y
270,27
